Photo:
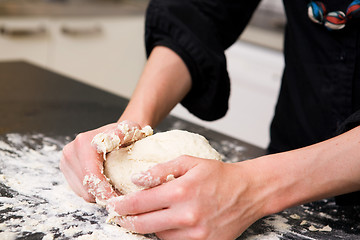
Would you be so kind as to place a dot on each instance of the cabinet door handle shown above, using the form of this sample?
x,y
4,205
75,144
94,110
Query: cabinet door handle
x,y
82,30
23,30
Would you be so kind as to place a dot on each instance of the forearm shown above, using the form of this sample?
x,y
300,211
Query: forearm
x,y
322,170
164,83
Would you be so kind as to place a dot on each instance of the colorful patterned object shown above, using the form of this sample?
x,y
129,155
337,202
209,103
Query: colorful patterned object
x,y
335,20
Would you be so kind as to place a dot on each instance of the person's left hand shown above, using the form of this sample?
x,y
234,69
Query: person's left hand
x,y
82,163
208,199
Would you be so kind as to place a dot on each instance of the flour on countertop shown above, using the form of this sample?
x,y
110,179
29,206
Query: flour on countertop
x,y
35,200
33,191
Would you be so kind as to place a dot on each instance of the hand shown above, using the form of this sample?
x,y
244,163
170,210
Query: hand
x,y
82,164
208,199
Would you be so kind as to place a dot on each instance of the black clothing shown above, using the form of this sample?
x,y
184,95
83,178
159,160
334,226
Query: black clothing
x,y
320,85
321,80
320,90
199,32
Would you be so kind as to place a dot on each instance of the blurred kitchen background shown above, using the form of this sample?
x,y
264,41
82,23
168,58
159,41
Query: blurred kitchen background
x,y
100,42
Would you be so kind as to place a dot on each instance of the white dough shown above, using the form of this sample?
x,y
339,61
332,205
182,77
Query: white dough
x,y
121,164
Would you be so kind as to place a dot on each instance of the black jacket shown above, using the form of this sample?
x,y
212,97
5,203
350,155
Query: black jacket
x,y
320,91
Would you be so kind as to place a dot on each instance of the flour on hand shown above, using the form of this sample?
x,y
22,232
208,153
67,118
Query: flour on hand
x,y
108,141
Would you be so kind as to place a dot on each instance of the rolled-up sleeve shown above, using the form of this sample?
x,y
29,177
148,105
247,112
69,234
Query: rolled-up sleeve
x,y
199,31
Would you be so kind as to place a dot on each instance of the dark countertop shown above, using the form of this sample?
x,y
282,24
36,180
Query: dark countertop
x,y
37,100
40,107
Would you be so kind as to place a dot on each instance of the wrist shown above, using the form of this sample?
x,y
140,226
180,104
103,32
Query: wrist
x,y
134,114
258,181
276,182
280,182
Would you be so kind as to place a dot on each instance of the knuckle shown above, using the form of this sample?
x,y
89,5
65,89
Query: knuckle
x,y
189,219
178,193
199,233
79,138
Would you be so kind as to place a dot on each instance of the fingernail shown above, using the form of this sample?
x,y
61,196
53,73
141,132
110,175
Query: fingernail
x,y
111,204
114,200
127,222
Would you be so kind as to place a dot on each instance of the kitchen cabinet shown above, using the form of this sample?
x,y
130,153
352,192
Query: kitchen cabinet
x,y
24,38
106,52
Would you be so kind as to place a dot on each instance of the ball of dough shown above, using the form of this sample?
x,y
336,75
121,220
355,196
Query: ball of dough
x,y
121,164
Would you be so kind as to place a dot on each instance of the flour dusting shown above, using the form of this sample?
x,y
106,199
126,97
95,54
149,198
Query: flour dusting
x,y
35,200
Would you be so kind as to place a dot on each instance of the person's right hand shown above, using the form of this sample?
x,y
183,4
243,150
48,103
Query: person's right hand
x,y
82,164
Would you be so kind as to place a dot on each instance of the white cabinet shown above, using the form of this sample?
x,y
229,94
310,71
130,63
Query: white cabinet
x,y
26,39
107,52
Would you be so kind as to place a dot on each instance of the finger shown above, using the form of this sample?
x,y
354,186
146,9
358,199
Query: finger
x,y
89,186
122,134
124,130
75,183
164,172
130,132
90,176
156,221
141,202
180,234
73,174
99,187
172,234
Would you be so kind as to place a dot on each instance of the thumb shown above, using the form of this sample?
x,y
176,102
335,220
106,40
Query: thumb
x,y
165,172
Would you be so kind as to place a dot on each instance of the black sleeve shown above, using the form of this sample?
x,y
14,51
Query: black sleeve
x,y
351,122
199,31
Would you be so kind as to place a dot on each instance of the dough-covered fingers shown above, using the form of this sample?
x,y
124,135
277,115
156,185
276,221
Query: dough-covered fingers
x,y
82,167
122,134
75,183
148,222
141,202
99,187
132,132
159,221
195,233
90,172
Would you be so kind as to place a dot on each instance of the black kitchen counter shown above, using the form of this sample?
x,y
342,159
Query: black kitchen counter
x,y
41,111
33,99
